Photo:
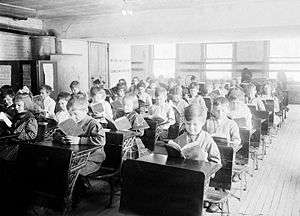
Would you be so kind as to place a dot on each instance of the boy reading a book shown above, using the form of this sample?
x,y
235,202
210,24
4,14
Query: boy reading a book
x,y
162,111
62,113
250,91
138,124
194,96
219,125
48,102
102,107
197,143
93,133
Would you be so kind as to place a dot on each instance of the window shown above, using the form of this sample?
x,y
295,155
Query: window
x,y
218,63
164,60
285,56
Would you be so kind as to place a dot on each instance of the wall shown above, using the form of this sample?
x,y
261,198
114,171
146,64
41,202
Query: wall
x,y
14,47
119,63
73,66
141,63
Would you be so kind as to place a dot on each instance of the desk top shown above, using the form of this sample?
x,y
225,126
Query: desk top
x,y
208,168
126,133
73,148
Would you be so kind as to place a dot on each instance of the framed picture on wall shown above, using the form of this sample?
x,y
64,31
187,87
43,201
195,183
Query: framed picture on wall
x,y
47,74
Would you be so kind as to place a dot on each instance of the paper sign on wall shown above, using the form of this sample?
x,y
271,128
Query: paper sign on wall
x,y
49,74
5,75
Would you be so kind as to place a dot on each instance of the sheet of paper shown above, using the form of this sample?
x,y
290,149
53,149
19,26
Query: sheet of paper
x,y
49,74
5,75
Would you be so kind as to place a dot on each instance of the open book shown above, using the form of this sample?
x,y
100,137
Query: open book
x,y
176,150
70,128
117,105
119,124
4,118
97,108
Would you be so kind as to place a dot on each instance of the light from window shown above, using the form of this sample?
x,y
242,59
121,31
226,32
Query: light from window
x,y
219,51
164,60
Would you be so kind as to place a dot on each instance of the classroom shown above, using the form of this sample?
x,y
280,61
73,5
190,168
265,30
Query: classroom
x,y
150,108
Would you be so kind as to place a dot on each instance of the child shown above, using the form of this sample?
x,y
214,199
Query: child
x,y
75,87
177,102
238,108
267,95
221,126
142,95
194,96
23,125
48,102
134,83
250,91
93,133
151,89
137,121
8,98
163,110
206,149
98,96
62,113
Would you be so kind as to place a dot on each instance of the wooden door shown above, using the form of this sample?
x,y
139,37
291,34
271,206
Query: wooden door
x,y
98,62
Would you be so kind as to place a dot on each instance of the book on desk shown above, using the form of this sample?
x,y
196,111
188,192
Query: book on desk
x,y
70,128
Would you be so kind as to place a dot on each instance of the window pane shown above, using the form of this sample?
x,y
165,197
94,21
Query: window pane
x,y
293,76
219,51
285,48
285,66
273,75
166,68
163,51
218,75
219,66
283,59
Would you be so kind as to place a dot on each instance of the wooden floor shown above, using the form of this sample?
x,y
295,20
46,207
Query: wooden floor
x,y
273,190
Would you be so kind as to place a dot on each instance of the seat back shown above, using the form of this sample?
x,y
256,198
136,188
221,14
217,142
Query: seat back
x,y
43,172
154,189
252,108
223,176
173,131
241,122
113,151
149,138
242,156
270,106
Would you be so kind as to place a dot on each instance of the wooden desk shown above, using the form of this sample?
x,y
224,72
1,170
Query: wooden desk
x,y
49,171
158,185
208,168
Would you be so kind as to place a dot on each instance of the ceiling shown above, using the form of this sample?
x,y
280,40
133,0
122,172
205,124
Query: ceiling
x,y
49,9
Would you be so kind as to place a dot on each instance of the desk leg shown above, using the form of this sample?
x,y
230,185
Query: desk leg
x,y
78,162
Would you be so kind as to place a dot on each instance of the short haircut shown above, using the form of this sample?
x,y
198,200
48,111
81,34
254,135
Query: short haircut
x,y
9,92
25,97
194,111
73,84
160,91
121,86
177,90
97,90
220,101
78,101
98,82
194,85
141,84
236,94
131,98
47,88
63,96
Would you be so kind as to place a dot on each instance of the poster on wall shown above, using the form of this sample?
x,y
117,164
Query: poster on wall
x,y
49,74
5,75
